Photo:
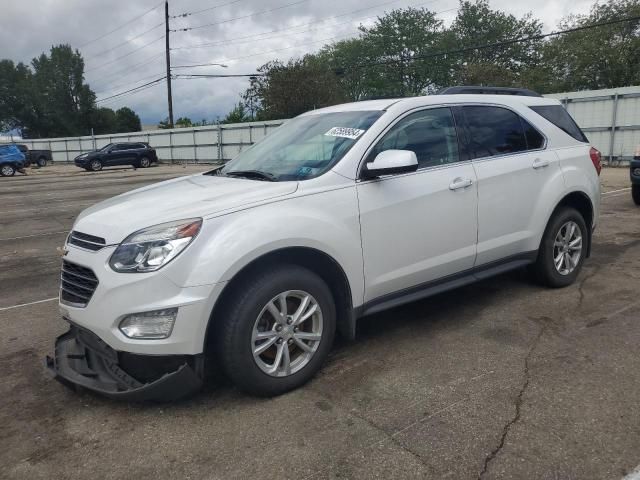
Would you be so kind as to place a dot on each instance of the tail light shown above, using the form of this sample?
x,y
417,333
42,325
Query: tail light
x,y
596,158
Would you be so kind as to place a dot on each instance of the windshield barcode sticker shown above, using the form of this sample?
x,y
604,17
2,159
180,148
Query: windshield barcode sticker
x,y
345,132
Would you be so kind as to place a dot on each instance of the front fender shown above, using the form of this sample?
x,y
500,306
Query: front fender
x,y
327,222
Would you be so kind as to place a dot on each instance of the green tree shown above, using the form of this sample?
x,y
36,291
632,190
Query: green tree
x,y
127,121
602,57
183,122
16,106
238,114
164,124
104,121
285,90
63,102
396,42
476,24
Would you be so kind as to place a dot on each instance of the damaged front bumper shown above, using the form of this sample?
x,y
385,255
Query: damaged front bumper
x,y
82,359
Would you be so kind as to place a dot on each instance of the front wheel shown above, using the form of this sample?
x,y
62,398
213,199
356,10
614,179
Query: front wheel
x,y
7,171
276,330
563,248
95,165
635,194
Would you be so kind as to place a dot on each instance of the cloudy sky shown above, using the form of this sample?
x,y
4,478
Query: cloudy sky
x,y
122,41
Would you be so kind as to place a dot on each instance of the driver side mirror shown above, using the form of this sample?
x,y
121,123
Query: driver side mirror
x,y
390,162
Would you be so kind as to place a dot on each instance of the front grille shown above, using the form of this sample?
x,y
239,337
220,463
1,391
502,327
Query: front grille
x,y
77,284
88,242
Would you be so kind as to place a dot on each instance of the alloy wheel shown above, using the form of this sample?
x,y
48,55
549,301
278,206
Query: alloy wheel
x,y
567,248
287,333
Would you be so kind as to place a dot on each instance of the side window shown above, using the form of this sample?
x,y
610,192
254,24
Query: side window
x,y
534,138
430,134
494,131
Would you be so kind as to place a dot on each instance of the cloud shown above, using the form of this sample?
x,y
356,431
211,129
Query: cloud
x,y
125,59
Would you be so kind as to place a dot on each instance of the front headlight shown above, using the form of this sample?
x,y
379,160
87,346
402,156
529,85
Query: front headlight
x,y
151,248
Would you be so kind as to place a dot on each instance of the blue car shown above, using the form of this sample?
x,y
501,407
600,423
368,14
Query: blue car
x,y
11,159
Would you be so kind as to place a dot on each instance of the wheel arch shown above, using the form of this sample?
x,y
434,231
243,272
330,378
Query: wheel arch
x,y
582,203
315,260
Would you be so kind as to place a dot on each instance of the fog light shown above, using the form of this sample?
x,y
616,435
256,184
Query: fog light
x,y
149,325
636,172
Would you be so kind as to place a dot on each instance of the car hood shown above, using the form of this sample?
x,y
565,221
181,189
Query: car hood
x,y
180,198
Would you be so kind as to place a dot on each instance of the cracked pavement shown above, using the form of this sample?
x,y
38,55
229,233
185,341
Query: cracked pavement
x,y
502,379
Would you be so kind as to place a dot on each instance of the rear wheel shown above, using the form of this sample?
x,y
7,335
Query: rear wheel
x,y
276,330
95,165
144,162
7,171
42,162
635,194
563,248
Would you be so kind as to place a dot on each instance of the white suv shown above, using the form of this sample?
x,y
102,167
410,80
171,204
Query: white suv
x,y
341,212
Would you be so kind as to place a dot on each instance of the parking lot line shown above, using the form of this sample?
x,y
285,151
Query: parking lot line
x,y
2,309
33,235
616,191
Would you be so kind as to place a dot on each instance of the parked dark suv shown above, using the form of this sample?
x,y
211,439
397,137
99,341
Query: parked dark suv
x,y
134,154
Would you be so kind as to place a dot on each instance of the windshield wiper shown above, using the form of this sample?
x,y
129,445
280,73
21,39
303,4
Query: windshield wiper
x,y
255,174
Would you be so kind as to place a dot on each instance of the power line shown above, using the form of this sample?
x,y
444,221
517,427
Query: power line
x,y
321,20
131,82
120,27
102,65
498,44
188,14
114,100
240,18
201,65
126,41
185,76
132,89
130,70
314,42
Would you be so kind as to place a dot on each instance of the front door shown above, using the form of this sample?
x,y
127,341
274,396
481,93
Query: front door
x,y
421,226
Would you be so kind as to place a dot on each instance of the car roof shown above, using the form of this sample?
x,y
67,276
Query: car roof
x,y
426,100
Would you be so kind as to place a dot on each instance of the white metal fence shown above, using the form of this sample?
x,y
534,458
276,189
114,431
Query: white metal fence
x,y
609,118
211,143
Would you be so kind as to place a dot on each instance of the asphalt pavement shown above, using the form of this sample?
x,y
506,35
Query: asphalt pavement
x,y
502,379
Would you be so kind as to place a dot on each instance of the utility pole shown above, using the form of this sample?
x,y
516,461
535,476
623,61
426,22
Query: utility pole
x,y
166,37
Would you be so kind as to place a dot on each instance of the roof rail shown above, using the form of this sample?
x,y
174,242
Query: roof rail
x,y
479,90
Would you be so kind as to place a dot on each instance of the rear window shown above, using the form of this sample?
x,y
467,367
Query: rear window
x,y
557,115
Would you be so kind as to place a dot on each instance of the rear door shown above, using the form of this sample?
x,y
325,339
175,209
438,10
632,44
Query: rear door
x,y
421,226
515,171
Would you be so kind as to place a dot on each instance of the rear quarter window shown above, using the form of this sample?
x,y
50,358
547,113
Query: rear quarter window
x,y
557,115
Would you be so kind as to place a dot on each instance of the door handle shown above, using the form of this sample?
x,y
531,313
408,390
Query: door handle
x,y
540,163
460,183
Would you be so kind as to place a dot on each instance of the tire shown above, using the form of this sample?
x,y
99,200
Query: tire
x,y
42,162
246,313
561,224
95,165
635,194
144,162
7,170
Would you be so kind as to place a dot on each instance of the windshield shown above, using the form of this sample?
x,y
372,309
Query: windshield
x,y
108,145
304,147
